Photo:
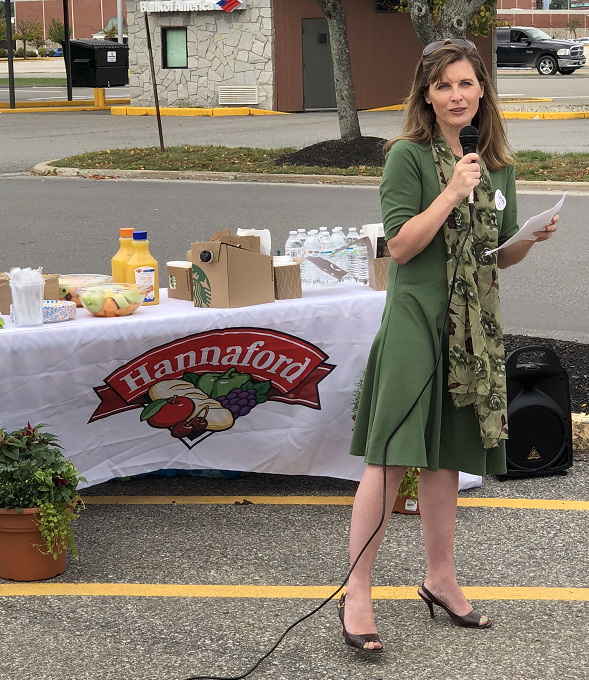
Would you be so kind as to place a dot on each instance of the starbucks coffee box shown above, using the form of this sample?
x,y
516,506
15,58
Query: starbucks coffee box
x,y
229,271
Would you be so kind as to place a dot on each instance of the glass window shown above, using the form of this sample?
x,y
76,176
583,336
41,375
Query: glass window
x,y
175,48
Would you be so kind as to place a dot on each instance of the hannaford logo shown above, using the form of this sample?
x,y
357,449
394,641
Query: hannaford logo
x,y
203,383
201,288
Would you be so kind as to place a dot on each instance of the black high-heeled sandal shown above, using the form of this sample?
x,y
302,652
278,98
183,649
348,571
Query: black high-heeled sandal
x,y
473,619
358,642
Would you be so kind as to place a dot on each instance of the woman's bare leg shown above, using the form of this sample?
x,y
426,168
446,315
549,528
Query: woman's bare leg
x,y
438,494
366,514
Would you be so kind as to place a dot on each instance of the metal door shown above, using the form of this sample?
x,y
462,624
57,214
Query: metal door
x,y
318,85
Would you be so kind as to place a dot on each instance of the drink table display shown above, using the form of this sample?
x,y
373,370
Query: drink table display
x,y
266,388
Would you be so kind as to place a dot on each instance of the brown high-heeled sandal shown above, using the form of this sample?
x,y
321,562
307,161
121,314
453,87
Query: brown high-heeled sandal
x,y
358,642
473,619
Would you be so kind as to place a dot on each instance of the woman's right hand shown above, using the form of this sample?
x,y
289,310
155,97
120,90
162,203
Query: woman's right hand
x,y
467,175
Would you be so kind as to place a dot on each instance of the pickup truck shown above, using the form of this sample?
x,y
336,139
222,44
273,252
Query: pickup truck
x,y
522,47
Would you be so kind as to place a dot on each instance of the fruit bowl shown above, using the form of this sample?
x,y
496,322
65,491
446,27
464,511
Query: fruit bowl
x,y
112,299
69,282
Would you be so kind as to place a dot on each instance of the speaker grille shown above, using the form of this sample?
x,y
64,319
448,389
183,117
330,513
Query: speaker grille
x,y
536,438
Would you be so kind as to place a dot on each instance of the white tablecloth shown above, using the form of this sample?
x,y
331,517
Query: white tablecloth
x,y
88,380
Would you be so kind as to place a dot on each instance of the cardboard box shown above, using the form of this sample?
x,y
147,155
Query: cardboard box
x,y
180,280
287,282
51,291
226,273
378,273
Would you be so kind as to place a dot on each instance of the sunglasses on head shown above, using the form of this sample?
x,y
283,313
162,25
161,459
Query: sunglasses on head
x,y
461,42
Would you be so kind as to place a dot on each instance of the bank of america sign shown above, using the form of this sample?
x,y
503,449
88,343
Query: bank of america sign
x,y
188,6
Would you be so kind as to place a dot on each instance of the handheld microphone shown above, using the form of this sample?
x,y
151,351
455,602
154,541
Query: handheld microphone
x,y
469,138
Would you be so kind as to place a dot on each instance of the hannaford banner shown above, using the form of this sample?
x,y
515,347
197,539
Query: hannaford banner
x,y
202,383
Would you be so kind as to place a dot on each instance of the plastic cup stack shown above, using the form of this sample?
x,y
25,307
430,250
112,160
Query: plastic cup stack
x,y
27,286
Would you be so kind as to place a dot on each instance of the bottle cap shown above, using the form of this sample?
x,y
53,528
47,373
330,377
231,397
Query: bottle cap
x,y
127,232
140,236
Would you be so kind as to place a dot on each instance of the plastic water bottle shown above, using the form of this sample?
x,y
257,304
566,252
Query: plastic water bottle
x,y
326,252
362,261
291,248
301,236
340,259
309,272
352,253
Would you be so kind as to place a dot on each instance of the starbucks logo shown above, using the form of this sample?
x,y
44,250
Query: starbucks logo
x,y
201,287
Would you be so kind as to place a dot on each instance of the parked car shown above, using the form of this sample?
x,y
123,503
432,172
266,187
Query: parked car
x,y
58,52
583,41
523,47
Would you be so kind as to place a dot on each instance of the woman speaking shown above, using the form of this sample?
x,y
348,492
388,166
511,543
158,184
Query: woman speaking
x,y
459,423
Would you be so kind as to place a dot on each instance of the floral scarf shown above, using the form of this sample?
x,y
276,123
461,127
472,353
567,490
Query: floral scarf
x,y
476,355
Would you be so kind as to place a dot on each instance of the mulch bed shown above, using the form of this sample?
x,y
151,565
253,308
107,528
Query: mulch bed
x,y
574,357
337,153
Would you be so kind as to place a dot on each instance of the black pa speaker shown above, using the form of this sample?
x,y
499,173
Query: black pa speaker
x,y
538,415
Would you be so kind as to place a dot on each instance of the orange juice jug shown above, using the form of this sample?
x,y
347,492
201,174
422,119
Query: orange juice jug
x,y
142,268
119,261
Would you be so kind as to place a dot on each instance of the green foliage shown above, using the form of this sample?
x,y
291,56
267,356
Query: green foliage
x,y
28,31
409,484
559,4
34,473
3,53
3,9
42,52
486,20
56,31
111,31
481,24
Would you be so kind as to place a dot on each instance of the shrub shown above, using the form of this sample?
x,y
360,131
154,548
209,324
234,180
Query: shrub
x,y
20,52
31,54
51,52
42,52
3,53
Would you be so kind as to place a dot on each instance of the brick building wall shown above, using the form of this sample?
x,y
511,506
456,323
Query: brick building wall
x,y
86,16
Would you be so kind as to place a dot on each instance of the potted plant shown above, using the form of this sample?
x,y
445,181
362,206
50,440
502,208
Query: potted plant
x,y
406,501
38,504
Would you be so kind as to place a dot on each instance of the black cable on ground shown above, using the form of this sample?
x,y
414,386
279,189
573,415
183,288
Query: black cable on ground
x,y
384,470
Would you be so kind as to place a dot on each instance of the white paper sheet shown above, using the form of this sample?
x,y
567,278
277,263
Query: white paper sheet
x,y
535,223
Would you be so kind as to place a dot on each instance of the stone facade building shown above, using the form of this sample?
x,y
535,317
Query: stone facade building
x,y
273,54
232,49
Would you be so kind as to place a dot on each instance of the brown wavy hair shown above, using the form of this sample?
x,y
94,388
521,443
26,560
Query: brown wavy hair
x,y
420,124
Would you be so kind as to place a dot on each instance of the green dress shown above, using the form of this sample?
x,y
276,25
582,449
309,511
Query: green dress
x,y
436,434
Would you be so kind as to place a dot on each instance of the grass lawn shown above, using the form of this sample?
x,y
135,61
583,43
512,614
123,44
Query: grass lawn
x,y
529,165
34,82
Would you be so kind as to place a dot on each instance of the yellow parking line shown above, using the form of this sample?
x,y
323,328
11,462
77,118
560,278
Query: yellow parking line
x,y
272,592
525,503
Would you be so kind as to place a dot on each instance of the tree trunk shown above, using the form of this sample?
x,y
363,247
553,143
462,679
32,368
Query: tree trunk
x,y
455,15
342,68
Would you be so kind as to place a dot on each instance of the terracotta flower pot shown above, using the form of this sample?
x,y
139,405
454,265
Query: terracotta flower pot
x,y
20,560
406,506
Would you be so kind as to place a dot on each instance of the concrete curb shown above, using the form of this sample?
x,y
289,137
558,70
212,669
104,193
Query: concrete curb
x,y
188,112
46,169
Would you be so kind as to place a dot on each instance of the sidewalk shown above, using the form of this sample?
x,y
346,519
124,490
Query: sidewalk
x,y
51,67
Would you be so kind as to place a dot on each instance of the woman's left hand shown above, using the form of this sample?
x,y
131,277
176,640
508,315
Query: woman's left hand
x,y
548,231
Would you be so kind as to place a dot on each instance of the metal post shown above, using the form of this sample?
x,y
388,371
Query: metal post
x,y
120,21
157,103
66,50
10,54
